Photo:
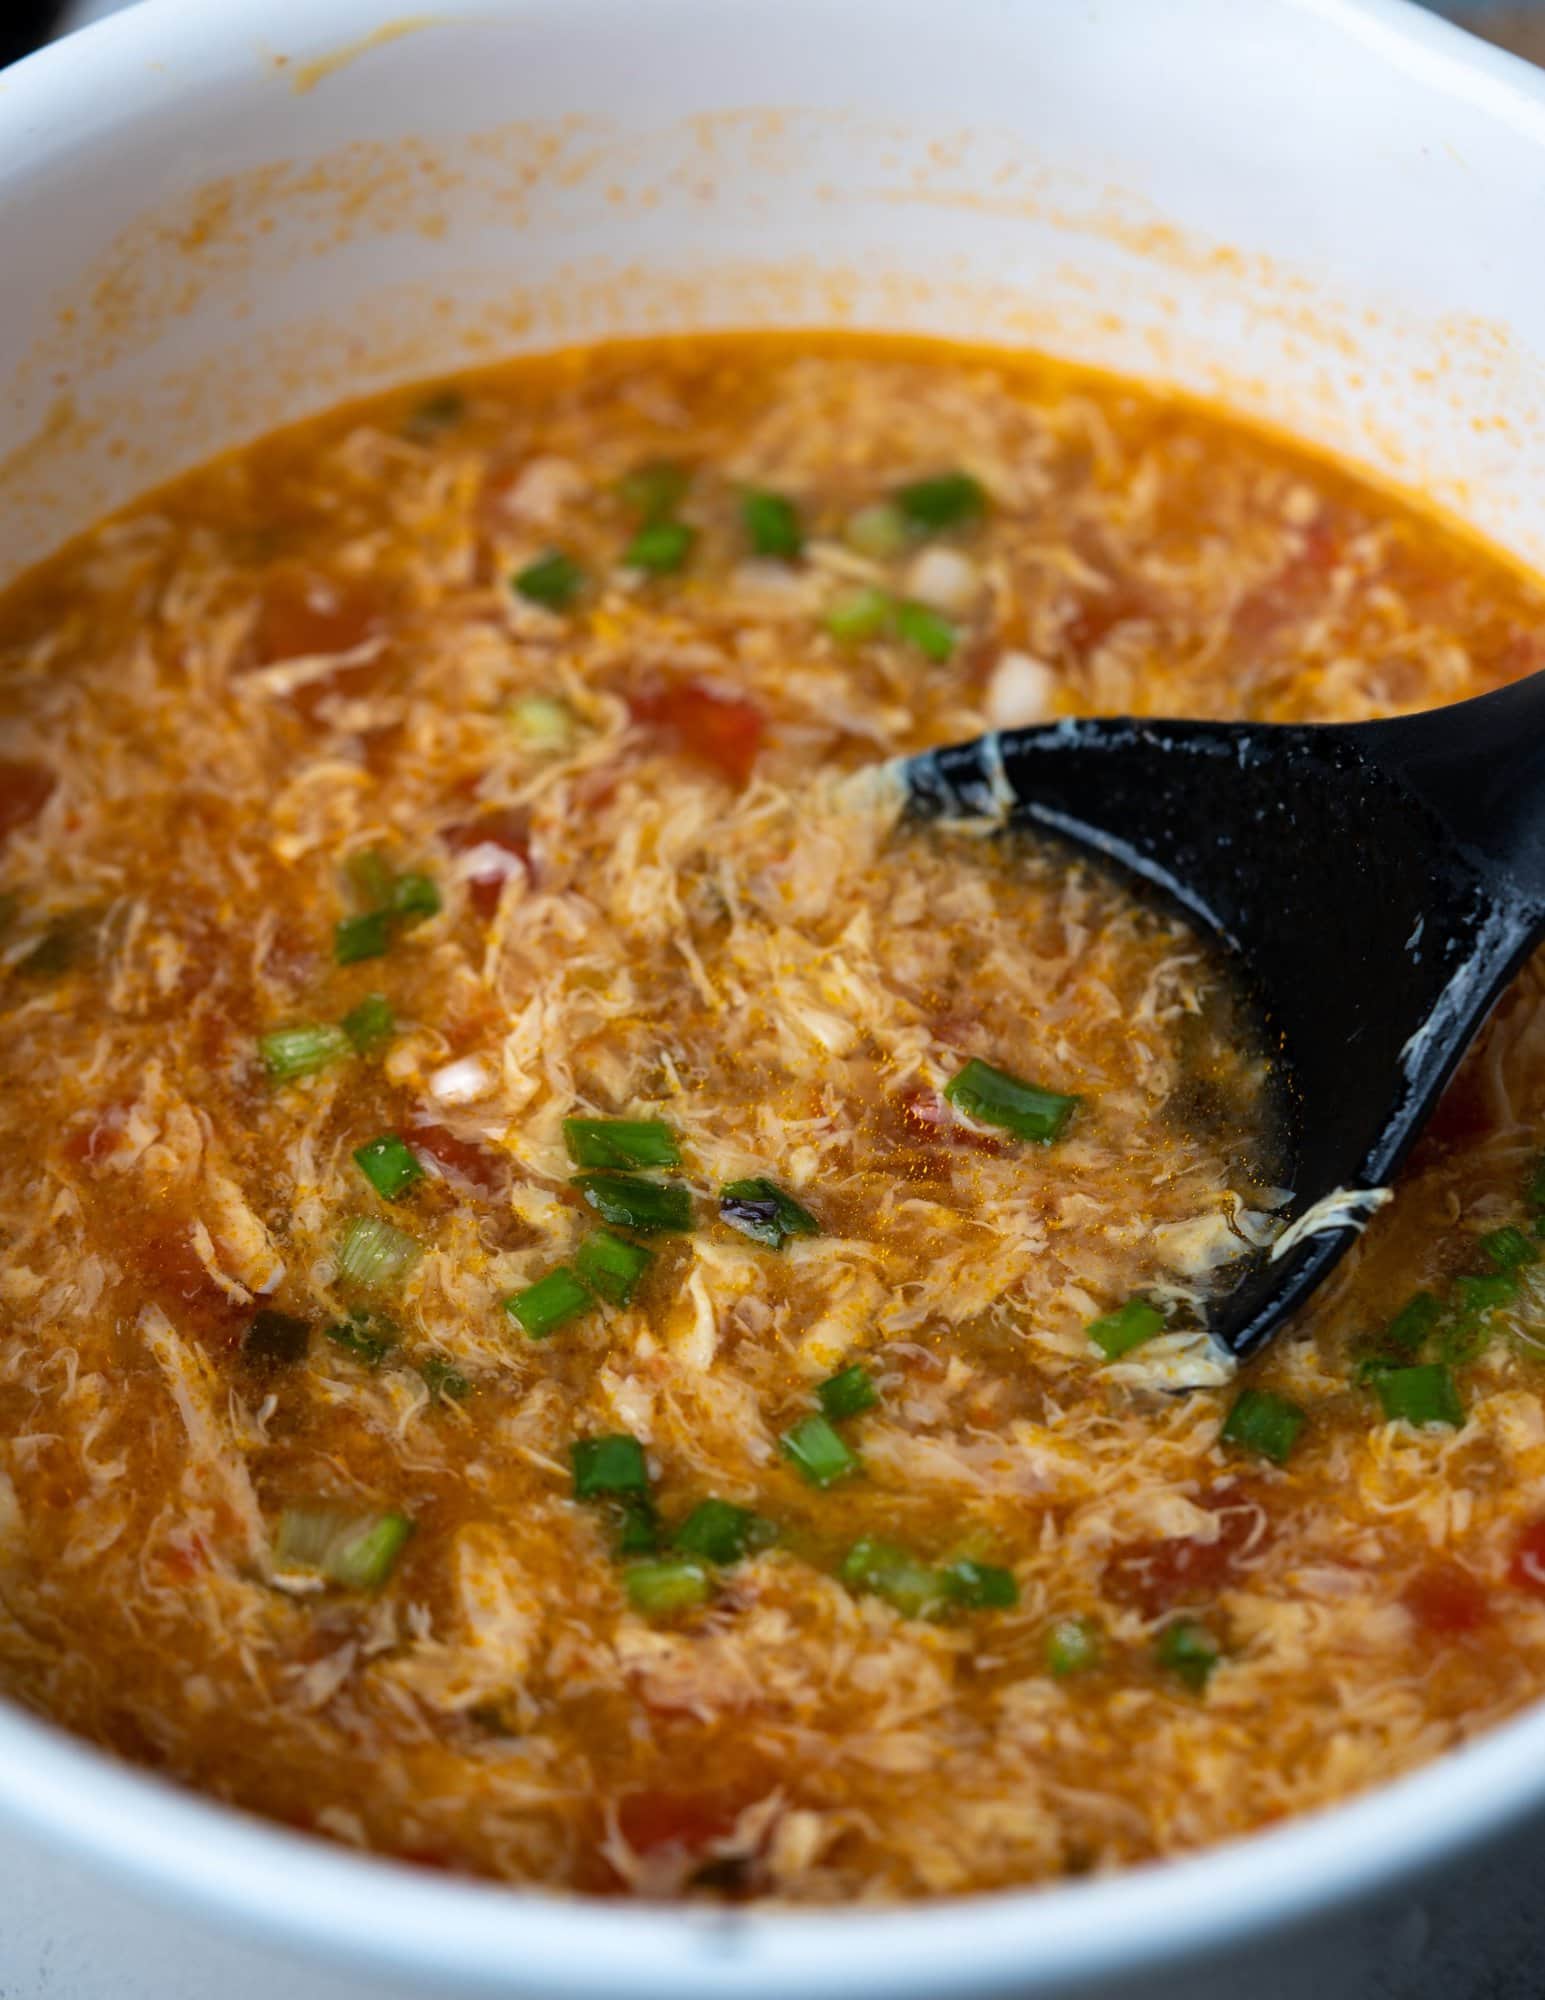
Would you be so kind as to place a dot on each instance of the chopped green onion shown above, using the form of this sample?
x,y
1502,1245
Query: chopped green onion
x,y
1264,1423
1509,1249
1484,1295
772,525
414,897
638,1527
981,1586
659,1589
389,1164
275,1339
621,1142
862,613
368,1336
928,630
367,936
374,1253
1420,1395
1118,1332
1073,1646
652,491
550,1303
443,1380
947,501
995,1097
553,581
848,1393
629,1203
357,1551
879,532
761,1210
371,876
611,1267
608,1465
1189,1651
542,723
660,548
719,1532
370,1023
1407,1332
301,1051
890,1572
818,1452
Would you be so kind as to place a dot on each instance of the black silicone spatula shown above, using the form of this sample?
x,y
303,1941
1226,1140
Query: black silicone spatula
x,y
1376,885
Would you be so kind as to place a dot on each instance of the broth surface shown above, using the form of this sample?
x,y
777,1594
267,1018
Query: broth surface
x,y
377,800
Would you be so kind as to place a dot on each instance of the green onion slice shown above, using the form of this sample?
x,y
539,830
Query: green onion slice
x,y
370,1024
995,1097
761,1210
1073,1646
928,630
604,1466
915,1589
815,1448
414,897
1118,1332
859,614
879,532
981,1586
949,500
638,1526
1408,1332
550,1303
629,1203
1266,1423
848,1393
443,1380
275,1339
368,1336
374,1253
367,936
661,1589
543,723
389,1164
1509,1249
1424,1395
553,581
1189,1651
611,1267
621,1142
289,1053
720,1532
660,548
358,1551
772,525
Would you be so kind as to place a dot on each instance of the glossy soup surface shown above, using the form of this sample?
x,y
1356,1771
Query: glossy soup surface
x,y
734,1501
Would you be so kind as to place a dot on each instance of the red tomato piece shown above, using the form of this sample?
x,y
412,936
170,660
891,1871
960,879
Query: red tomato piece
x,y
722,731
497,848
1446,1600
24,791
1527,1569
927,1116
651,1822
460,1158
1154,1577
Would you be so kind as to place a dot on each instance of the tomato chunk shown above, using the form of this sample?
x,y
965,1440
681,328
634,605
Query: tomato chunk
x,y
1157,1576
1446,1600
927,1117
1527,1569
24,791
460,1158
722,731
651,1822
498,848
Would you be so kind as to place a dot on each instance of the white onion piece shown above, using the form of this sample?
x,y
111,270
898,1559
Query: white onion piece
x,y
461,1082
943,578
1020,692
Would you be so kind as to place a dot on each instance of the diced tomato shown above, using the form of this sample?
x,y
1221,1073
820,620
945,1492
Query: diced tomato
x,y
927,1116
719,730
498,848
651,1822
1157,1576
1527,1569
460,1158
170,1269
1446,1600
24,791
185,1560
305,612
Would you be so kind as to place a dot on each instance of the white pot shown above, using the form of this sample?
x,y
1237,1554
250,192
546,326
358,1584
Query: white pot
x,y
1329,213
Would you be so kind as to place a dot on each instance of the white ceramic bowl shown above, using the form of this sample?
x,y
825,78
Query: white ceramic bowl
x,y
1328,213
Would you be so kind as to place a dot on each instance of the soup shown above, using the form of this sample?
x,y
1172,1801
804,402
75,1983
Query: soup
x,y
581,1306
